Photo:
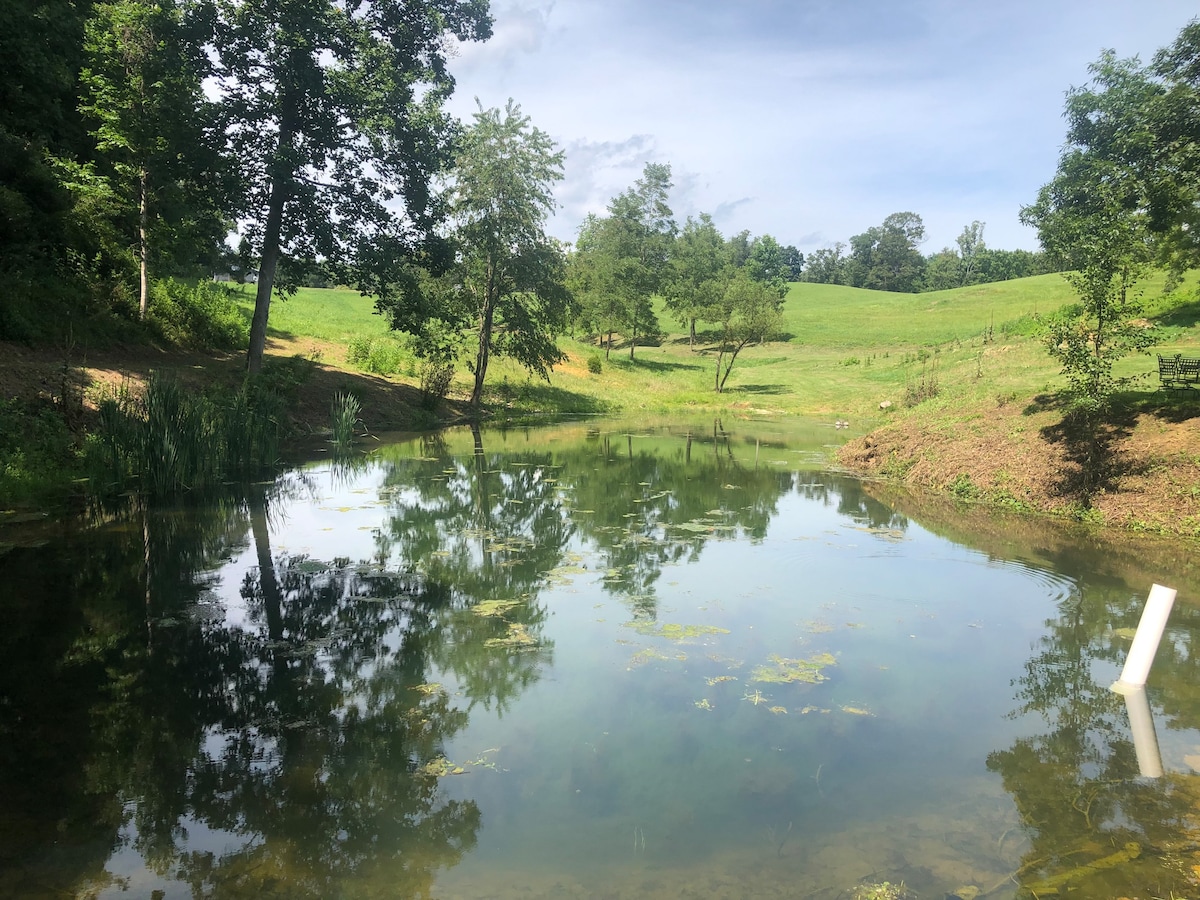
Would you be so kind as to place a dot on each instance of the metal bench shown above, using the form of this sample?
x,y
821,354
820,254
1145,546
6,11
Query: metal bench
x,y
1179,372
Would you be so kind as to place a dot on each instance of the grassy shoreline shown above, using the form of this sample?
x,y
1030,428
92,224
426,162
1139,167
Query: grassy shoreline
x,y
952,388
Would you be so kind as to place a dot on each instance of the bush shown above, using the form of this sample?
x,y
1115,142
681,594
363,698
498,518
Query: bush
x,y
594,365
204,315
436,377
381,356
37,451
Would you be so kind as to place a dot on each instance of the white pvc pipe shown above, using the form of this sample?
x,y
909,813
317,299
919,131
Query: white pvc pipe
x,y
1145,742
1145,640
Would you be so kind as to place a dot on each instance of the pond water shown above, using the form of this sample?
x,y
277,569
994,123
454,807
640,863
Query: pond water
x,y
590,660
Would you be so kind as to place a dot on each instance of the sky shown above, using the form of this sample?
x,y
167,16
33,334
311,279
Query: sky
x,y
810,120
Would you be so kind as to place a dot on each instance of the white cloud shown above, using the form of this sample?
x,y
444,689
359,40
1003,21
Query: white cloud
x,y
807,118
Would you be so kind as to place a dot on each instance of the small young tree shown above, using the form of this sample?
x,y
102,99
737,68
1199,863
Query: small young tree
x,y
1092,216
507,283
752,313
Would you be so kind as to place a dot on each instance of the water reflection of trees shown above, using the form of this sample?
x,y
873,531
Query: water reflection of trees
x,y
302,745
1075,783
287,750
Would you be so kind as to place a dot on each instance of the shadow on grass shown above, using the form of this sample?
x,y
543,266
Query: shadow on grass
x,y
1089,439
541,400
758,389
652,365
1183,316
1089,442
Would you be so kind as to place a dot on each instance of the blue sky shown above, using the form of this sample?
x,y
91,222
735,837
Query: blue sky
x,y
810,120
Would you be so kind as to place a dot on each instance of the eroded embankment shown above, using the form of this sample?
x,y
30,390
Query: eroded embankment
x,y
1141,471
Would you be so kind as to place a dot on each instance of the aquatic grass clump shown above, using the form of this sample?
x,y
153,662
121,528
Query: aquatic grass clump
x,y
170,439
345,419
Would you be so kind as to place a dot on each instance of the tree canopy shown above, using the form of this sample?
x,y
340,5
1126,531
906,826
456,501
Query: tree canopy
x,y
334,114
506,283
1125,193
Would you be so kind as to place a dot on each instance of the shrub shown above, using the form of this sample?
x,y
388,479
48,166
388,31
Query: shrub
x,y
436,378
594,365
204,315
37,451
382,356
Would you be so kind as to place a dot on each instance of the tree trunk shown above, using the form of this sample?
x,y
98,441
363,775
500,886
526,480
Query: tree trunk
x,y
144,243
281,179
272,596
486,318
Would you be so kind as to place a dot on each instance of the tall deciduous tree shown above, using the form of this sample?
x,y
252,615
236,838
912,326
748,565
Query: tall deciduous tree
x,y
590,276
623,259
507,282
827,265
970,246
886,257
335,113
142,94
641,233
700,263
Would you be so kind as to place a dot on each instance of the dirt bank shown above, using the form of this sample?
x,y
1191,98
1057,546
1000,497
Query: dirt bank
x,y
1141,471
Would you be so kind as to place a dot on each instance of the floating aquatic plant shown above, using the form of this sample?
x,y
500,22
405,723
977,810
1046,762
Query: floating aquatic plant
x,y
441,767
650,654
857,711
673,631
786,671
494,607
518,638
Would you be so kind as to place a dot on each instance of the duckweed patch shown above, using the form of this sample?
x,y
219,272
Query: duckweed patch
x,y
441,767
651,654
783,670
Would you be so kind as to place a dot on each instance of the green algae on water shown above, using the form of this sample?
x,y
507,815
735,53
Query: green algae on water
x,y
491,608
673,631
786,671
518,638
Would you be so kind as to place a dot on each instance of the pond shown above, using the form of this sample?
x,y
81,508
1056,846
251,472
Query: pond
x,y
591,659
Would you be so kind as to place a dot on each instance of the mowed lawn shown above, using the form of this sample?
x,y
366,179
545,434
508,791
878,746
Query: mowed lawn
x,y
845,351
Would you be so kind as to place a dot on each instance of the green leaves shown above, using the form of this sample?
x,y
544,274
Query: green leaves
x,y
506,284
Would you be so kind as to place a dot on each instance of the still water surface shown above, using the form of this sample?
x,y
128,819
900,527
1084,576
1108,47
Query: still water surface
x,y
587,660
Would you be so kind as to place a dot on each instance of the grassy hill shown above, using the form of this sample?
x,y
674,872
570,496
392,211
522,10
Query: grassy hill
x,y
846,351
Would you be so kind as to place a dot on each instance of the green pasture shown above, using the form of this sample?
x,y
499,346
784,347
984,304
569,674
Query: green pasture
x,y
847,350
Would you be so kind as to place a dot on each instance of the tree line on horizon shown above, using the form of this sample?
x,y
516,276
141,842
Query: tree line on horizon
x,y
887,257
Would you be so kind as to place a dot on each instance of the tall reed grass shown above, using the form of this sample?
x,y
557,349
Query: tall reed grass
x,y
169,439
345,419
